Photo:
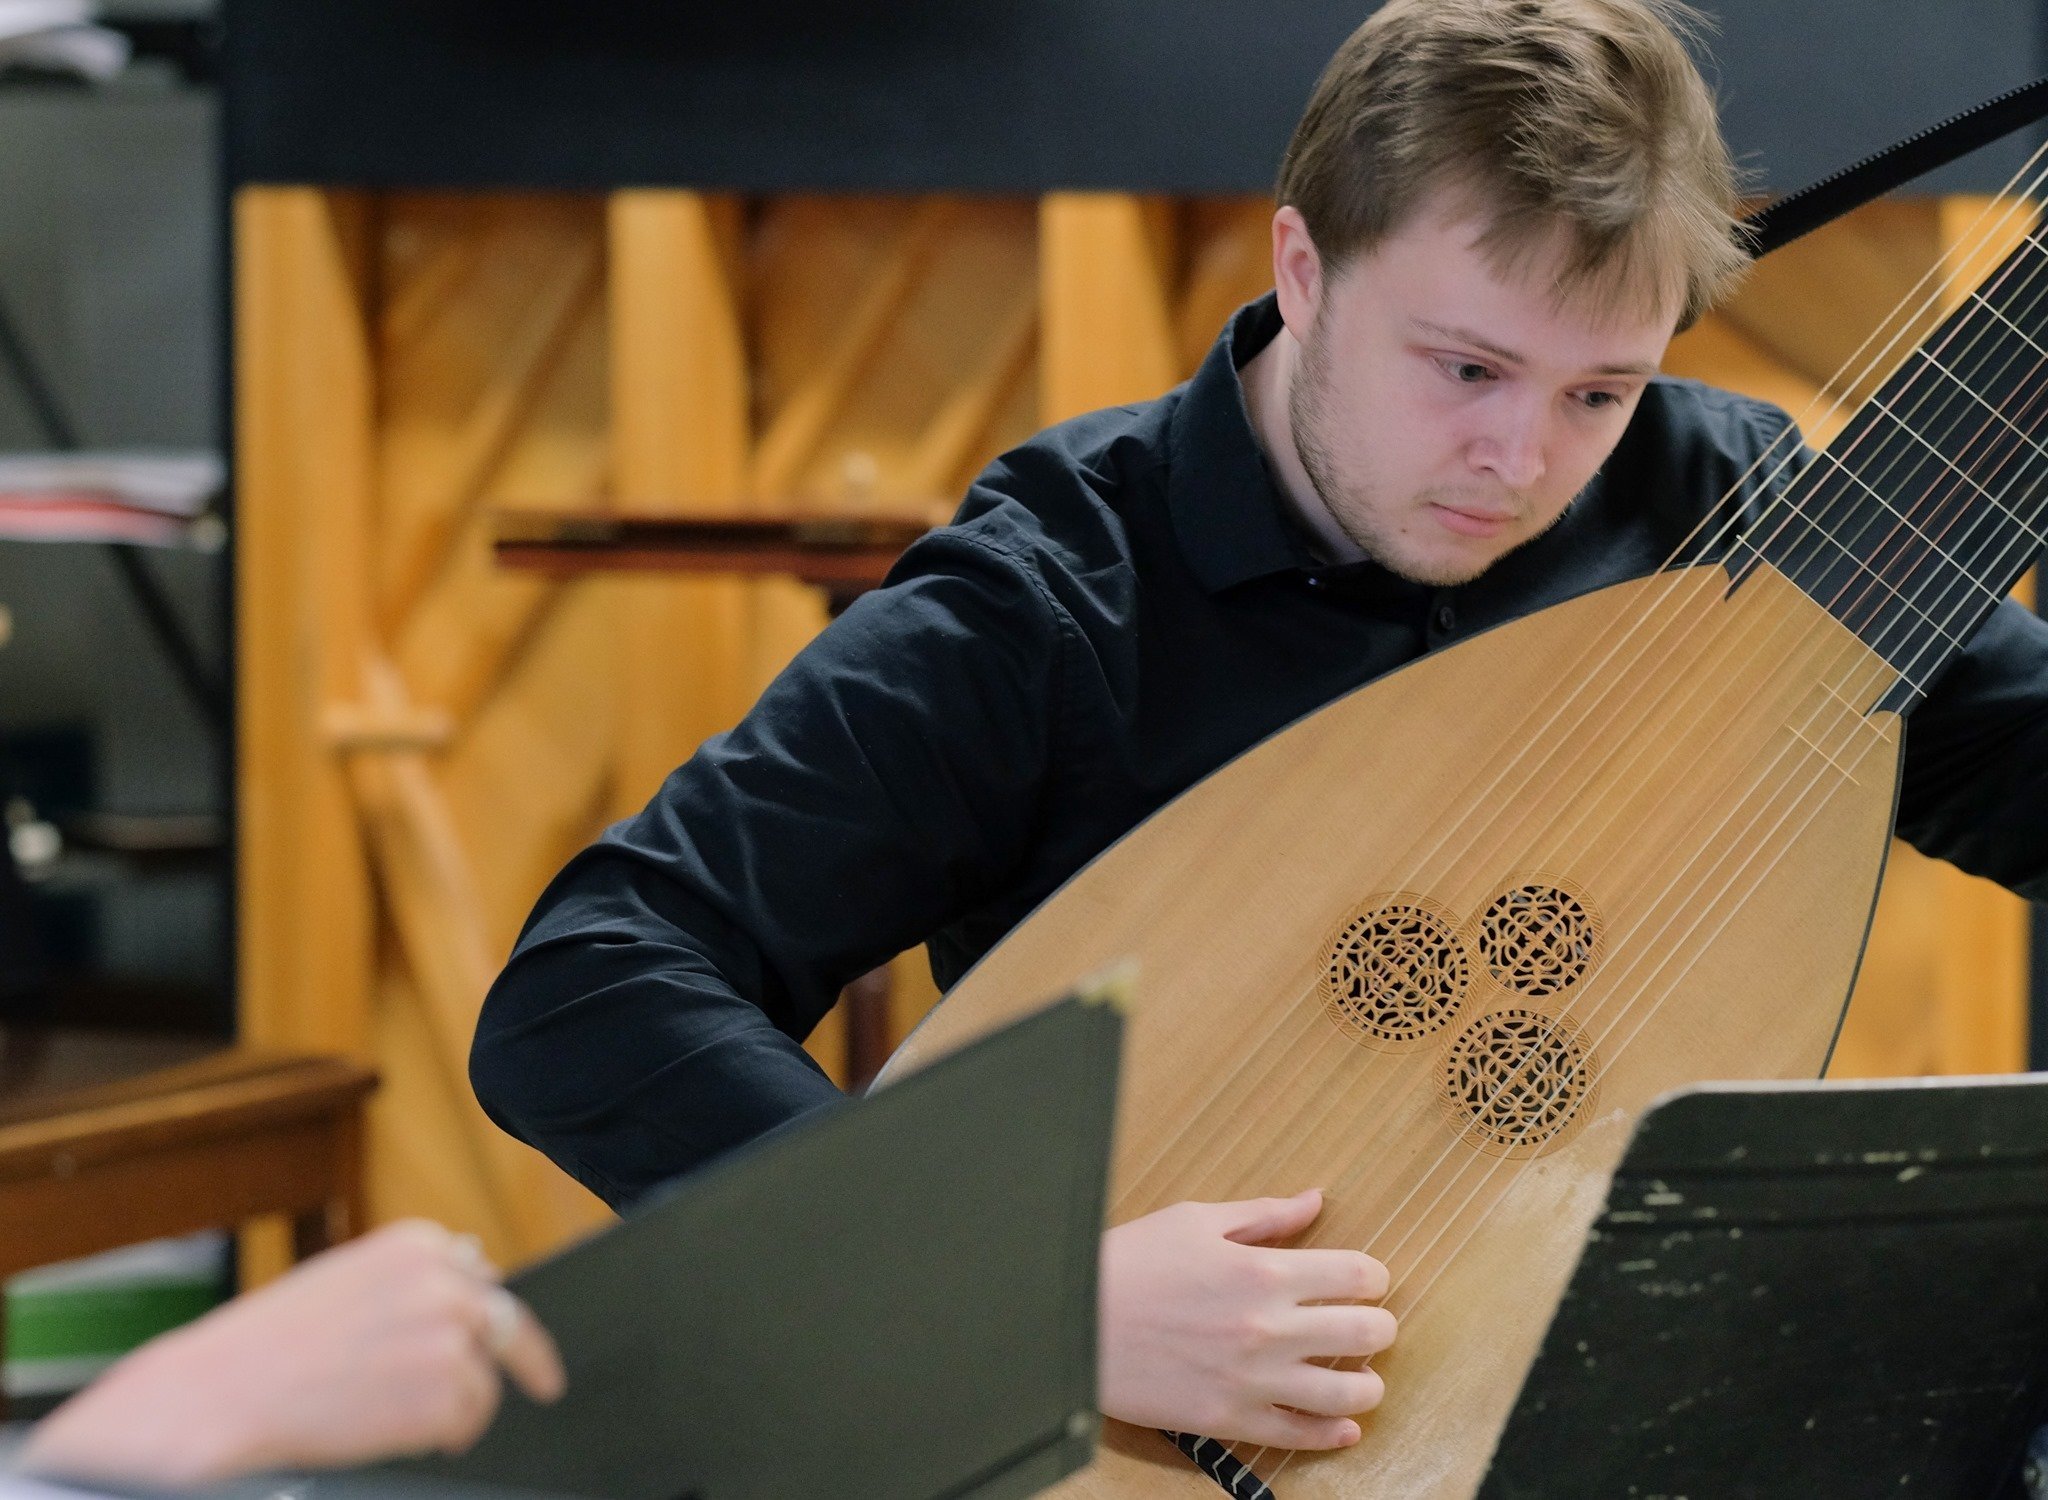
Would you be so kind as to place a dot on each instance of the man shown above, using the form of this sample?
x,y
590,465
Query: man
x,y
389,1345
1492,218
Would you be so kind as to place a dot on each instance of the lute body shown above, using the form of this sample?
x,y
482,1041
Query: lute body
x,y
1435,946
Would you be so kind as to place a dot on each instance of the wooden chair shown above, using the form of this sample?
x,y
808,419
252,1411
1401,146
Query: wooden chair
x,y
108,1139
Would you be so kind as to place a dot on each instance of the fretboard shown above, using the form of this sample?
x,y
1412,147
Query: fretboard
x,y
1927,508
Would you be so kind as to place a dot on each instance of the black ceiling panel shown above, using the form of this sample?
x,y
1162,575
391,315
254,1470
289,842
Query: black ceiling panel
x,y
1190,96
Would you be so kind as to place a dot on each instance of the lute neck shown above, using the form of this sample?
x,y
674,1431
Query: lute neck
x,y
1929,505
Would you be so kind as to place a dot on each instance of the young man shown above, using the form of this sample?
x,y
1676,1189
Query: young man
x,y
1493,216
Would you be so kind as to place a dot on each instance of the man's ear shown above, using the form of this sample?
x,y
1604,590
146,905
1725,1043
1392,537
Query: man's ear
x,y
1297,271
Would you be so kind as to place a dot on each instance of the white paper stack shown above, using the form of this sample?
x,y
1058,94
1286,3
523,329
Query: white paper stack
x,y
58,36
156,499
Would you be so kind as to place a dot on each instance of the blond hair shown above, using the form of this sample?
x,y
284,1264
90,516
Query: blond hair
x,y
1578,123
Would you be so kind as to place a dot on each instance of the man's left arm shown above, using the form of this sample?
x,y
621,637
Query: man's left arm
x,y
1975,786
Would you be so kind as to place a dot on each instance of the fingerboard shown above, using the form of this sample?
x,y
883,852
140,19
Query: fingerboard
x,y
1926,509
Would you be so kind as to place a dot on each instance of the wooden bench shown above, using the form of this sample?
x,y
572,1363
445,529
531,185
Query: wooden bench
x,y
108,1139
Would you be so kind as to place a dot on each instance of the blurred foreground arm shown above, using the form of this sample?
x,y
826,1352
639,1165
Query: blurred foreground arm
x,y
391,1344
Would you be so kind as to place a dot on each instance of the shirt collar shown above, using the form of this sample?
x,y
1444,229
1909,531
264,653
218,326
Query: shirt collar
x,y
1231,521
1227,512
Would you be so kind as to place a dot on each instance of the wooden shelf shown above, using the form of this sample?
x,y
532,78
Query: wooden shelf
x,y
845,555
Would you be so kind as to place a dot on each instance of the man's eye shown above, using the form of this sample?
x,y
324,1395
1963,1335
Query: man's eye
x,y
1467,372
1598,399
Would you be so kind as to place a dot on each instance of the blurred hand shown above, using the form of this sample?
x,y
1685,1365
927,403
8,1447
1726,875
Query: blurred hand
x,y
1206,1329
389,1345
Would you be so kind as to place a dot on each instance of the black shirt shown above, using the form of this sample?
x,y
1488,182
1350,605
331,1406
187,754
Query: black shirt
x,y
1121,605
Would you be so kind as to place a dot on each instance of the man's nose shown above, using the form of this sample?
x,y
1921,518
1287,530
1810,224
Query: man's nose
x,y
1513,452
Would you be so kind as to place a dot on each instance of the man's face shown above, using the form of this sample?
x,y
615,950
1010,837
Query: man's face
x,y
1447,415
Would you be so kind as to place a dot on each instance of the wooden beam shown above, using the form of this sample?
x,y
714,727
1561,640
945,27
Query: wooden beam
x,y
681,430
432,899
1106,290
305,398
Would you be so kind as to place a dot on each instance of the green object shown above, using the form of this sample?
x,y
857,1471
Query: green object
x,y
66,1323
100,1322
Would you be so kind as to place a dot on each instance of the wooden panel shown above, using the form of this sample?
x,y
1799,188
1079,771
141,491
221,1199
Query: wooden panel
x,y
893,412
426,1152
1718,350
401,361
492,355
1108,269
481,300
304,397
1229,262
1845,304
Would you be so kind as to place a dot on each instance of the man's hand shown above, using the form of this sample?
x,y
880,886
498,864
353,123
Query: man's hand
x,y
1207,1330
391,1344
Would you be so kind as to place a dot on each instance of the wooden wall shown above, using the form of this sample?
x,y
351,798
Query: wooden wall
x,y
425,738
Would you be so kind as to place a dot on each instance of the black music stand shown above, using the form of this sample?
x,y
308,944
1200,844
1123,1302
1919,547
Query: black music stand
x,y
1802,1291
891,1298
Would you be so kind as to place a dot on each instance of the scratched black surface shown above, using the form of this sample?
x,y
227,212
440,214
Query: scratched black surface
x,y
1817,1292
892,1300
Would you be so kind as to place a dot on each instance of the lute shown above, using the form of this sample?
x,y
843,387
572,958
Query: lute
x,y
1433,947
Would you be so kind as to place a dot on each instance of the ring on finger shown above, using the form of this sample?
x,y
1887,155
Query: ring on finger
x,y
501,1320
468,1253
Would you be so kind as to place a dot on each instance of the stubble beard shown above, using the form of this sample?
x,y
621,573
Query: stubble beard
x,y
1352,509
1355,508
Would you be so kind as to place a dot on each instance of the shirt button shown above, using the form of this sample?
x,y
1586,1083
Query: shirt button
x,y
1314,581
1446,617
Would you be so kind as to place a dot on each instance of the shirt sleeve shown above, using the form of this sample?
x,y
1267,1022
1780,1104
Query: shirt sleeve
x,y
1975,788
650,1015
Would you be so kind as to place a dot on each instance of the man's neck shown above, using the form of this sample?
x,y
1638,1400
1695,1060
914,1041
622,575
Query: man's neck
x,y
1268,379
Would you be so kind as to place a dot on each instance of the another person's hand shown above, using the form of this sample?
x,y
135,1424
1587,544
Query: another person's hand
x,y
391,1344
1206,1329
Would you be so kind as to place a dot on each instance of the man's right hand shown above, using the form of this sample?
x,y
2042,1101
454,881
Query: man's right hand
x,y
1207,1329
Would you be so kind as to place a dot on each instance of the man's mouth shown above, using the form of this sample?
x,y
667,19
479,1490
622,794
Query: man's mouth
x,y
1471,520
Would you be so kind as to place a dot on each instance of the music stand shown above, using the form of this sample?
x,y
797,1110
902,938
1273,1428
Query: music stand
x,y
893,1297
1802,1290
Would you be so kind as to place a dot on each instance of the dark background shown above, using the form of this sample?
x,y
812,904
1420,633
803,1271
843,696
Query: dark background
x,y
1181,96
110,266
